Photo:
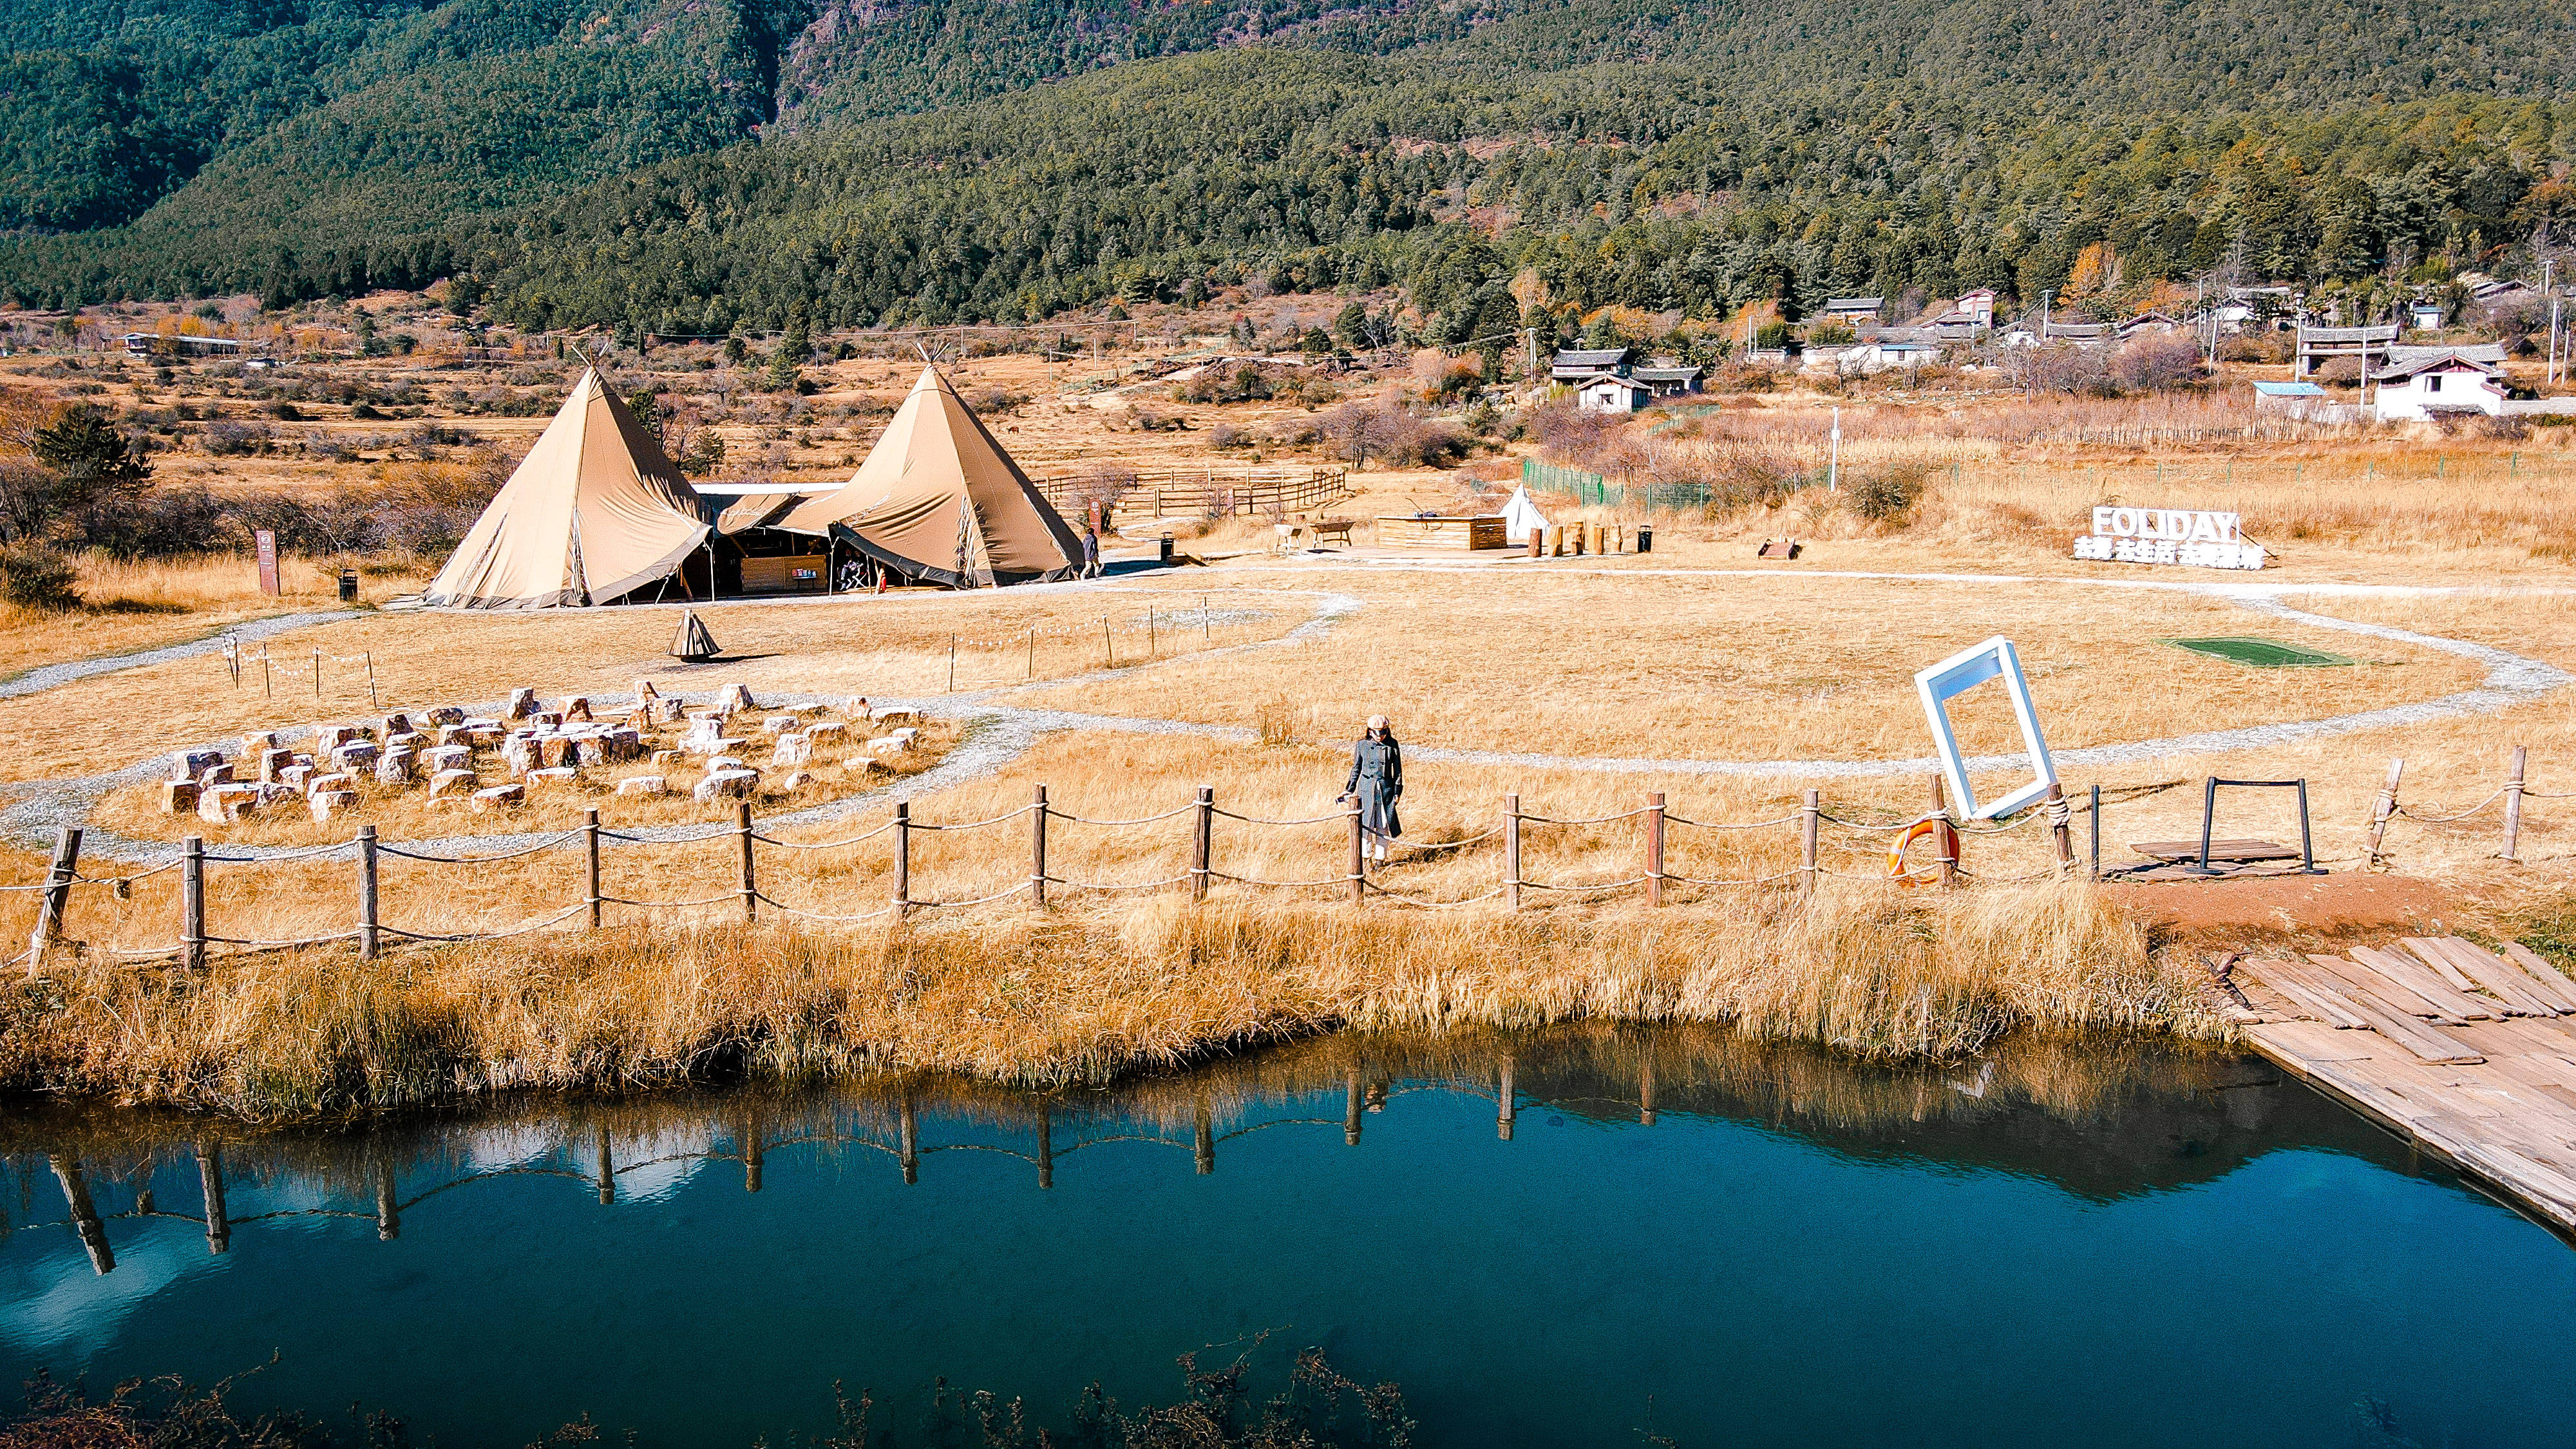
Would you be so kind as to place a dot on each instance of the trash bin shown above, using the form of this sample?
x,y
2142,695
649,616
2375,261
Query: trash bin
x,y
348,586
1167,550
1645,538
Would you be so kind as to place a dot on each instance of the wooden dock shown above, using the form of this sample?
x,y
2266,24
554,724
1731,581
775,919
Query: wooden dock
x,y
2469,1053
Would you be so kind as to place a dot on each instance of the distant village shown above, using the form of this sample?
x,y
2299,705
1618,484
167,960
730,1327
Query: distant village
x,y
2442,358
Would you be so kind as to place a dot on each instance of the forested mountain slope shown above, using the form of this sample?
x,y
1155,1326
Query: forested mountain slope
x,y
1633,150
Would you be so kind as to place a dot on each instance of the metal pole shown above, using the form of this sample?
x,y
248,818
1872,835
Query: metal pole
x,y
2208,819
1512,852
742,833
1655,848
590,861
1202,842
56,900
192,901
367,944
2513,805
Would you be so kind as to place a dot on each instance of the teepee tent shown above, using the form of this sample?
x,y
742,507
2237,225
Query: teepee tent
x,y
938,499
1520,516
593,513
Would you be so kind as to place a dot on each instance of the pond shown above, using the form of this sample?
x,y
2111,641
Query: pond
x,y
1672,1233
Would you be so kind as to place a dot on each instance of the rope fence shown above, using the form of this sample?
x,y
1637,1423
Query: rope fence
x,y
1650,825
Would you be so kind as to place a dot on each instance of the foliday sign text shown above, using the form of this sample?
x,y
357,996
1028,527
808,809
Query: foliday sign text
x,y
2193,537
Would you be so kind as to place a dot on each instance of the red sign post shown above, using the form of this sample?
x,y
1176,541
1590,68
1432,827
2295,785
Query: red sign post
x,y
267,544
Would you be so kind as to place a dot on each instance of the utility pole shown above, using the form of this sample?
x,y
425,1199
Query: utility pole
x,y
2549,284
1834,457
2043,317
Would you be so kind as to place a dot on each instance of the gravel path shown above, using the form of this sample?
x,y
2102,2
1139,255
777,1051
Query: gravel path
x,y
54,676
994,734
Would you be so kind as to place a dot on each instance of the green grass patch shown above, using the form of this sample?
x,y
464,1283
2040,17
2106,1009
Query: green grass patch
x,y
2260,653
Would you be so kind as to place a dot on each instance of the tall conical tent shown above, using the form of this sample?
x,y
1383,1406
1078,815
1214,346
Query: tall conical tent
x,y
938,499
594,512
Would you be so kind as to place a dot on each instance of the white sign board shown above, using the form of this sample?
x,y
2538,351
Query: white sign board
x,y
1957,675
2189,536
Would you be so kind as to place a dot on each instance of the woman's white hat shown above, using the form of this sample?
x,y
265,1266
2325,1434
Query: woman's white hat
x,y
1377,721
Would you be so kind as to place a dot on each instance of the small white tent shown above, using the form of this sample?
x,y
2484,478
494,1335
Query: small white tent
x,y
1521,517
594,512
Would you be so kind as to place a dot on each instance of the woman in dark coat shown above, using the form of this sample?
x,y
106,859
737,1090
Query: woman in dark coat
x,y
1377,778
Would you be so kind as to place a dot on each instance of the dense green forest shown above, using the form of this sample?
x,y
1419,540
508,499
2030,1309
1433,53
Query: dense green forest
x,y
1629,151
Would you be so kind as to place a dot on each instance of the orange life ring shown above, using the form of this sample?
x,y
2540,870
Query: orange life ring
x,y
1948,840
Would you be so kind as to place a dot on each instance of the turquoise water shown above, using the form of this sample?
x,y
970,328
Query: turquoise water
x,y
1795,1250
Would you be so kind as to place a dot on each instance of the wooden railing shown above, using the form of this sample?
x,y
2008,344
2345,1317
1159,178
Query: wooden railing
x,y
1197,494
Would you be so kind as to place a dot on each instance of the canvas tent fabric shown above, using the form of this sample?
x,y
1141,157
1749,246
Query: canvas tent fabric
x,y
594,512
1521,517
939,500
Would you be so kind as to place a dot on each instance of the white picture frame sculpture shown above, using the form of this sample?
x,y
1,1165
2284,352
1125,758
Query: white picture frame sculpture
x,y
1957,675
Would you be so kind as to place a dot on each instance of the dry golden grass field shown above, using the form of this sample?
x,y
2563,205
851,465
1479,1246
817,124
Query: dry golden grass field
x,y
1577,684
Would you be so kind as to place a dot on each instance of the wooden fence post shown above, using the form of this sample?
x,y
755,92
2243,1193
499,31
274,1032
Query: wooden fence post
x,y
388,1206
607,1170
1359,854
367,919
1655,848
1046,1148
1505,1101
908,1128
56,901
902,860
742,833
2383,810
1512,852
1202,843
1037,849
1203,1144
1810,811
192,902
2093,861
210,1183
2061,828
2513,805
1108,650
1941,840
590,864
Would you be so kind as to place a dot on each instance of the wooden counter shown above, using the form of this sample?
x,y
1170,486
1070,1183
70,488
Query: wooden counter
x,y
1462,534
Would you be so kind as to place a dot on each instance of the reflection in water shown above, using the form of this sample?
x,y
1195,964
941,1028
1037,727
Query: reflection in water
x,y
1799,1196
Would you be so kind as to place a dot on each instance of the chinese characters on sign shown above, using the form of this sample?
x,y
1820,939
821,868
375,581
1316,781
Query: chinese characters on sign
x,y
2187,536
266,542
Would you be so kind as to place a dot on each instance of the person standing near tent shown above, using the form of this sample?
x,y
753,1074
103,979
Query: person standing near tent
x,y
1090,552
1377,779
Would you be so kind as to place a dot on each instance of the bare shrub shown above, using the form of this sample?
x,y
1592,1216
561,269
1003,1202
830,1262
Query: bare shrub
x,y
1887,498
2156,363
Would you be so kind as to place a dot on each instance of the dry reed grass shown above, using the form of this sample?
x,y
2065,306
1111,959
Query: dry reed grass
x,y
1039,1001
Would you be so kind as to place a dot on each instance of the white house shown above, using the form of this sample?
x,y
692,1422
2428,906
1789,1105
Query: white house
x,y
2438,382
1973,310
1613,394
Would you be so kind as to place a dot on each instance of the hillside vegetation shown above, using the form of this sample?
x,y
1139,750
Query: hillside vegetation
x,y
1632,152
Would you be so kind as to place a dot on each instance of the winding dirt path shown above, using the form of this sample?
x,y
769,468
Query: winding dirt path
x,y
996,733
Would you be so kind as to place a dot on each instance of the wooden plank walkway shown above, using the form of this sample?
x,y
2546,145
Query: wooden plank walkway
x,y
2469,1053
